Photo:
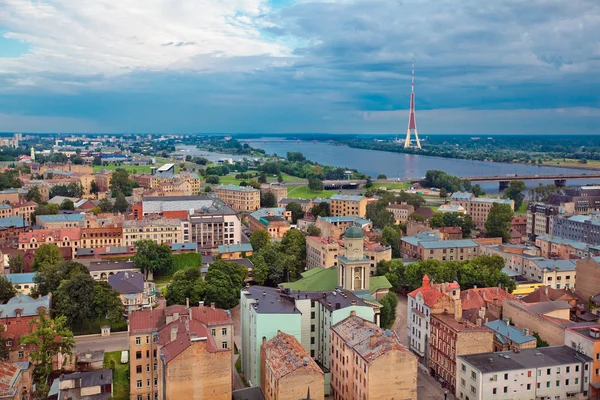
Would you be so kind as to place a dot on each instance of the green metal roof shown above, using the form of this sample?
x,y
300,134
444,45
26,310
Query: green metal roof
x,y
323,279
354,233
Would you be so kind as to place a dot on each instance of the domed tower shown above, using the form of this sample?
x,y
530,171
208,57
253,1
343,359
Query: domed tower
x,y
354,268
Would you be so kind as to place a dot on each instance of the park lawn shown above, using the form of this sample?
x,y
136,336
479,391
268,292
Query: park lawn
x,y
392,185
303,192
522,209
231,180
180,261
290,178
559,162
112,360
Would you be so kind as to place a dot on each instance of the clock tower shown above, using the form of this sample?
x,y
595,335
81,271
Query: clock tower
x,y
354,269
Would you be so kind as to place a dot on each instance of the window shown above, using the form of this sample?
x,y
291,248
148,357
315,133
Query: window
x,y
147,339
20,354
312,328
529,374
462,382
463,368
147,367
548,370
214,332
223,331
138,384
529,386
312,315
312,340
473,389
155,381
139,397
148,382
138,369
224,345
505,389
557,383
548,384
569,368
148,353
473,375
494,391
138,355
138,341
566,382
505,377
577,368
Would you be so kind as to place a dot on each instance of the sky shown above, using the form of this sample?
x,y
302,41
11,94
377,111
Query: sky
x,y
285,66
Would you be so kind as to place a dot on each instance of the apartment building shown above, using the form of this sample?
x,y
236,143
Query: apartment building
x,y
240,198
580,228
102,179
134,291
308,316
370,363
65,237
22,282
556,372
557,247
508,338
17,380
401,212
11,228
557,274
586,340
94,238
344,205
335,227
589,269
159,230
422,303
287,371
477,207
549,318
60,221
178,352
83,385
276,221
24,210
431,246
323,252
451,336
583,199
280,192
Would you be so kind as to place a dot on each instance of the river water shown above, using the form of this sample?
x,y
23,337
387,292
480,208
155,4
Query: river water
x,y
399,165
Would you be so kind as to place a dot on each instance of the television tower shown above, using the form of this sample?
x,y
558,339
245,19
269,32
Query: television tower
x,y
412,121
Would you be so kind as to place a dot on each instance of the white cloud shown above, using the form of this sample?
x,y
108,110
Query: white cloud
x,y
86,37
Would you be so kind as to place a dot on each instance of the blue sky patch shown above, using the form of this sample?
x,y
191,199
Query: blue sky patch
x,y
12,47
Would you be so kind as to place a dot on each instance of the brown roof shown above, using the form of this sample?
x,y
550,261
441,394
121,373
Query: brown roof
x,y
425,212
480,297
450,229
211,316
284,355
460,326
145,321
548,294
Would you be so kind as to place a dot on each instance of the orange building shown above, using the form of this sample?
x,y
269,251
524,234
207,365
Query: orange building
x,y
586,340
92,238
70,238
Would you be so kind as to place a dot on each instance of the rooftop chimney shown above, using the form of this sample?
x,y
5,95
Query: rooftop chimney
x,y
212,305
174,330
353,313
187,302
373,340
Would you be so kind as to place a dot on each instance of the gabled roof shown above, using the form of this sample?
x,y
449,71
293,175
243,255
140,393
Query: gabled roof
x,y
127,282
480,297
285,355
510,332
19,279
28,305
429,293
547,294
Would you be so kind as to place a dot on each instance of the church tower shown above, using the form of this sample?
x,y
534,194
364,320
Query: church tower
x,y
354,269
32,154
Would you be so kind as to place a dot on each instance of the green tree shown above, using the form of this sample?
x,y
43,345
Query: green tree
x,y
120,183
106,303
516,192
212,179
49,276
262,178
443,193
94,189
293,244
539,341
223,283
105,205
388,311
382,176
33,194
312,230
477,191
260,271
296,210
315,184
267,200
44,209
320,210
499,220
278,263
17,264
392,237
73,298
377,213
152,257
121,204
7,290
279,178
46,254
259,239
67,205
187,284
49,338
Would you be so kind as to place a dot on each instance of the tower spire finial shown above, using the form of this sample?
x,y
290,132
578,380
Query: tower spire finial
x,y
412,121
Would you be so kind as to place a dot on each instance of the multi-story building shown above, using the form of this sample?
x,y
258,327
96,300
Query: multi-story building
x,y
401,212
280,192
431,246
81,385
166,175
276,221
557,372
178,353
580,228
60,221
102,179
323,252
556,247
343,205
307,316
102,270
135,292
93,238
369,363
287,372
557,274
23,283
159,230
583,200
451,336
586,340
17,316
540,218
235,251
17,380
305,204
11,228
477,207
548,319
65,237
240,198
509,338
335,227
422,303
588,268
24,210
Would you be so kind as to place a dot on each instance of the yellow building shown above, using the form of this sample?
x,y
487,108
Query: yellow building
x,y
86,182
287,371
240,198
342,205
368,363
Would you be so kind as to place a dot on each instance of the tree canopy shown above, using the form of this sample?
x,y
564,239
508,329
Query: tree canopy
x,y
120,183
516,192
7,290
442,219
187,284
498,222
46,254
259,239
152,257
296,210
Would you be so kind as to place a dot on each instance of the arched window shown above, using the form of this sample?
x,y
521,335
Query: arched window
x,y
357,278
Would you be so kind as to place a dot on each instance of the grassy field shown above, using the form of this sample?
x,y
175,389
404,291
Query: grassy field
x,y
180,261
559,162
132,169
303,192
522,209
392,185
112,360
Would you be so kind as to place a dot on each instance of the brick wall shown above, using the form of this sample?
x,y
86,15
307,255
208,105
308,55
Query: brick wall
x,y
588,281
549,331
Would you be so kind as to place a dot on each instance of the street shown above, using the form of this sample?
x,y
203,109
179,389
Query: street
x,y
427,386
117,341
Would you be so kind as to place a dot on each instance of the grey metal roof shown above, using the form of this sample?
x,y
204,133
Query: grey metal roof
x,y
108,265
25,303
526,359
127,282
17,222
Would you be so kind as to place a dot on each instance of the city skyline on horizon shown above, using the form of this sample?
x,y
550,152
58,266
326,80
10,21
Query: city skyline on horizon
x,y
300,67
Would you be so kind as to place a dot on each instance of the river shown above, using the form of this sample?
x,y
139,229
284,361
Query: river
x,y
399,165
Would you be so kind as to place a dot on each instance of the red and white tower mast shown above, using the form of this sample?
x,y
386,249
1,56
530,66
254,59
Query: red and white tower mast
x,y
412,121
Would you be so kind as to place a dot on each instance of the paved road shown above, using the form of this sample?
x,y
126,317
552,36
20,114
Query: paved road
x,y
427,386
117,341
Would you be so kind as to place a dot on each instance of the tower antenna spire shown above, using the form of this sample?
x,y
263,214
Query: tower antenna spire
x,y
412,120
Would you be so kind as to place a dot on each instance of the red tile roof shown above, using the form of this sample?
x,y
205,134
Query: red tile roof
x,y
480,297
429,293
40,235
284,355
8,372
145,321
211,316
